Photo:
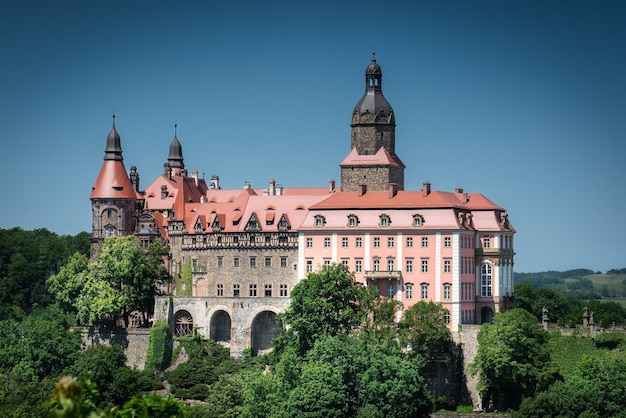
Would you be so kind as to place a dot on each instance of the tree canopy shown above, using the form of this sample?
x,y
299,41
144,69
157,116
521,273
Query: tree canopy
x,y
122,280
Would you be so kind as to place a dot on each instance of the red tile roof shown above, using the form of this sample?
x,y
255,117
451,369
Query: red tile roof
x,y
113,183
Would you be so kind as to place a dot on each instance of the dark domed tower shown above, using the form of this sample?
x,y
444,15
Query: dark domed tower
x,y
114,199
372,161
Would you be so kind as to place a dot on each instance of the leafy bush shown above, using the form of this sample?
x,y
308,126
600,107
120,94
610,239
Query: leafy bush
x,y
159,354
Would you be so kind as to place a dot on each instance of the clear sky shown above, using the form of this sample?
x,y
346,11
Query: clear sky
x,y
523,101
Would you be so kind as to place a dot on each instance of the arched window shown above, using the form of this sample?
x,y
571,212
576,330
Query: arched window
x,y
486,280
184,324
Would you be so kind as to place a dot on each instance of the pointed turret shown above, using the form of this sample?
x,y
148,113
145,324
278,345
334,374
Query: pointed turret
x,y
175,157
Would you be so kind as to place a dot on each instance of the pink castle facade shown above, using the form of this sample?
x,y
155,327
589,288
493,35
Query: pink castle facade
x,y
255,245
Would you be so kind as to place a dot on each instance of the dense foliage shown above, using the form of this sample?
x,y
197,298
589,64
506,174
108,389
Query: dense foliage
x,y
121,281
27,259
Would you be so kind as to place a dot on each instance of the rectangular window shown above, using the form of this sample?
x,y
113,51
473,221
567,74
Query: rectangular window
x,y
235,261
220,289
424,291
268,261
268,290
309,242
446,242
390,291
409,290
447,265
486,242
376,242
390,264
409,265
253,261
326,242
236,292
344,242
283,261
326,264
358,266
446,317
194,264
424,242
252,290
390,242
283,290
409,242
446,290
358,242
376,265
220,261
309,266
424,266
344,261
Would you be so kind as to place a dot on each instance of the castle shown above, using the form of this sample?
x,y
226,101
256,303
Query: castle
x,y
247,248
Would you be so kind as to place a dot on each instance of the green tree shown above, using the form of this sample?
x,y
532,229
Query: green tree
x,y
424,329
512,358
123,280
326,302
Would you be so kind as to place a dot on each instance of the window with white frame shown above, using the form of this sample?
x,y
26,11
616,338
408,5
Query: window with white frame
x,y
309,266
358,242
424,290
376,242
326,264
319,221
486,242
424,242
344,242
344,261
446,317
252,290
283,290
253,261
220,289
309,242
424,265
236,290
418,220
384,220
390,264
408,288
353,220
390,242
446,290
447,265
485,280
376,264
283,261
409,265
268,290
447,242
326,242
268,261
390,291
409,242
358,265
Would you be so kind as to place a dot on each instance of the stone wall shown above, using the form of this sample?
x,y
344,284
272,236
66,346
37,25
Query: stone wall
x,y
467,340
134,341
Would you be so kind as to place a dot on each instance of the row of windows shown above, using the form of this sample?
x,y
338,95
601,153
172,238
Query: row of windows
x,y
384,220
408,288
252,290
252,260
408,265
391,242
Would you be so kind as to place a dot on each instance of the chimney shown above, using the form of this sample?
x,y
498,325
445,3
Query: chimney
x,y
425,189
215,182
194,174
246,185
458,190
393,190
134,178
331,186
362,189
167,170
279,190
272,189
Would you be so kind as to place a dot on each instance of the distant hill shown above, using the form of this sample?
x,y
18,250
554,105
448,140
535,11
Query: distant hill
x,y
579,283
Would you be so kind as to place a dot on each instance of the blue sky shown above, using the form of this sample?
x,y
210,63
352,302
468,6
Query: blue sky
x,y
522,101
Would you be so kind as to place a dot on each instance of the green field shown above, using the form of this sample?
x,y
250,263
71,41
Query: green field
x,y
610,286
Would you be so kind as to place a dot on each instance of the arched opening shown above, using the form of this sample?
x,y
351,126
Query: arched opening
x,y
183,324
220,326
486,315
264,329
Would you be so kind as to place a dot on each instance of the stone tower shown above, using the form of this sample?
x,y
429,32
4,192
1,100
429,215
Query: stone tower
x,y
372,162
115,201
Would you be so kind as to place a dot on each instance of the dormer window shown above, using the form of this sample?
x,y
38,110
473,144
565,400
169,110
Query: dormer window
x,y
385,220
418,220
353,220
319,221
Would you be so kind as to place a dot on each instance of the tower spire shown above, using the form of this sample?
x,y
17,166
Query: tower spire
x,y
113,150
175,157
